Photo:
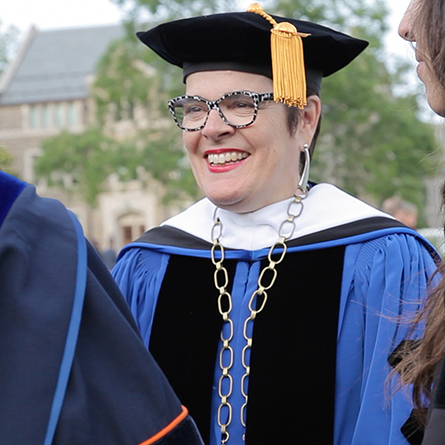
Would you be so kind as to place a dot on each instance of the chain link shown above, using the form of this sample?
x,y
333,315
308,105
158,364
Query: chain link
x,y
221,279
257,303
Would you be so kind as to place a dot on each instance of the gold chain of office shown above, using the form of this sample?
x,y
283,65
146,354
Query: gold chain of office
x,y
256,304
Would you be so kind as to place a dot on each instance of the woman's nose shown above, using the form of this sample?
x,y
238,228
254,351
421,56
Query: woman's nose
x,y
405,27
215,126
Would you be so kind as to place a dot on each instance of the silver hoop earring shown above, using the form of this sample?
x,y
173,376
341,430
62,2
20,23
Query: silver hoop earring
x,y
302,184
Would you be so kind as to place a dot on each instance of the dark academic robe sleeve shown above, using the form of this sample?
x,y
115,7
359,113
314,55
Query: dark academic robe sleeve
x,y
73,368
435,430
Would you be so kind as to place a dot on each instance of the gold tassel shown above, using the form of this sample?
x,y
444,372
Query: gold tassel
x,y
288,73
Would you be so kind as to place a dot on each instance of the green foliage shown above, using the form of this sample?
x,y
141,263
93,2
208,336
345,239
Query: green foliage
x,y
129,78
372,142
78,162
120,85
8,44
82,163
362,18
5,160
161,154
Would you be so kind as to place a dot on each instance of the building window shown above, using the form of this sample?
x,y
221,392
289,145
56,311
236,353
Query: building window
x,y
46,116
59,115
54,115
72,114
34,121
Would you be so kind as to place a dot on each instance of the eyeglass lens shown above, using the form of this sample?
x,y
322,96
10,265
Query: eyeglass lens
x,y
238,109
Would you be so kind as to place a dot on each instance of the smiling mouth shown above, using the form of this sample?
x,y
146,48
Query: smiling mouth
x,y
226,158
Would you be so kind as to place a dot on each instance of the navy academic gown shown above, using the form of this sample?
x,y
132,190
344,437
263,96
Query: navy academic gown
x,y
319,360
73,368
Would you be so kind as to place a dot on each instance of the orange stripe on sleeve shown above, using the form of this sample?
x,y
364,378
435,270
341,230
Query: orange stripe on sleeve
x,y
168,428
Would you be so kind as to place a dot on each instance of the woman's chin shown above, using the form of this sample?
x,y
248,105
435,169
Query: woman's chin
x,y
435,96
437,106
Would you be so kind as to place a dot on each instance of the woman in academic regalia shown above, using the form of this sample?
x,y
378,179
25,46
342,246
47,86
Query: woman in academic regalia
x,y
270,303
424,24
73,368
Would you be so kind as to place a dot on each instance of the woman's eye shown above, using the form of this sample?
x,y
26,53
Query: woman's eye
x,y
237,104
243,105
193,109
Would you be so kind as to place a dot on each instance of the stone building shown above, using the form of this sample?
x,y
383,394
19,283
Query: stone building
x,y
46,90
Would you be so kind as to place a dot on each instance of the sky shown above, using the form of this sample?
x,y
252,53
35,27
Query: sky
x,y
53,14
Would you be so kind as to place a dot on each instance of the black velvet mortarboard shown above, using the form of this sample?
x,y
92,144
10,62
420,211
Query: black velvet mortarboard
x,y
241,41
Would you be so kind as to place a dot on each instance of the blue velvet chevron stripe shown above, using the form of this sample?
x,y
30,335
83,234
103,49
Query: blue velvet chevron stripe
x,y
10,189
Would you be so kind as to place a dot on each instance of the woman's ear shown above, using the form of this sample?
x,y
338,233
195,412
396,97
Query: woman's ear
x,y
309,118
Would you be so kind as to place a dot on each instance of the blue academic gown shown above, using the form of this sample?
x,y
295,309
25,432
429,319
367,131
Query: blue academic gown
x,y
73,368
351,279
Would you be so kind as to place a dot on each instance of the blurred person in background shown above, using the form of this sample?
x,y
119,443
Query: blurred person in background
x,y
406,212
109,254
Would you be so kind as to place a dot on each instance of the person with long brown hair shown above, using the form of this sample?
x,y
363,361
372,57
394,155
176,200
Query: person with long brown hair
x,y
424,25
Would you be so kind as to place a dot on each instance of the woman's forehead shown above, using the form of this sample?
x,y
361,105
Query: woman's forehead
x,y
224,81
